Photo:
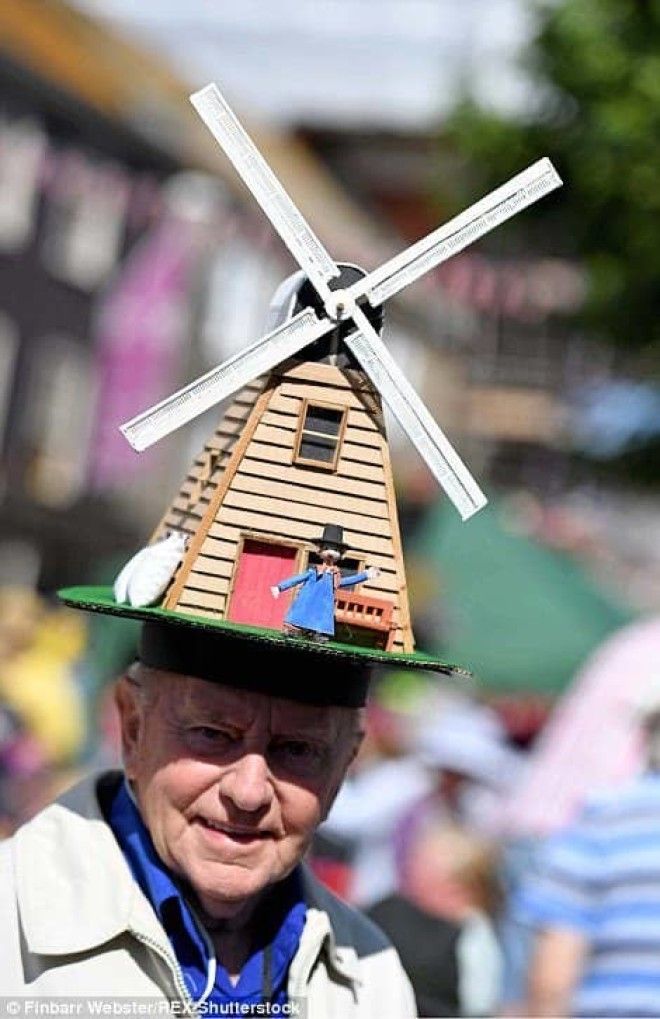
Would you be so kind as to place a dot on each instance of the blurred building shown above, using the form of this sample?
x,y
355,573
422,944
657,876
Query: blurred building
x,y
131,259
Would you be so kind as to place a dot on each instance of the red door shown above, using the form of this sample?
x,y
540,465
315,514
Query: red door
x,y
261,565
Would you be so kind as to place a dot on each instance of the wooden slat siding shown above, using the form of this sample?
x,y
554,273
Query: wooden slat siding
x,y
205,584
227,475
278,419
361,545
327,374
349,469
178,514
369,454
314,371
312,391
354,457
212,567
193,599
336,483
304,512
359,383
288,405
238,412
214,549
310,496
362,436
359,424
193,477
262,456
408,637
301,513
181,514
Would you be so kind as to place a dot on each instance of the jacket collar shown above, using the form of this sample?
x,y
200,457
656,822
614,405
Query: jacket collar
x,y
318,931
65,909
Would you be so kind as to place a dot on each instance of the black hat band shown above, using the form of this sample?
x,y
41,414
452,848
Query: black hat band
x,y
279,671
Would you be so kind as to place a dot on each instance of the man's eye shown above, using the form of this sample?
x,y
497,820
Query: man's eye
x,y
210,735
298,753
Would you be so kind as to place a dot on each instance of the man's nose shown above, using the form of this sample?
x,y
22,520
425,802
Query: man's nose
x,y
247,783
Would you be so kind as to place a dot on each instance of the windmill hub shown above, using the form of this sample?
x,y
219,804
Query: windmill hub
x,y
340,304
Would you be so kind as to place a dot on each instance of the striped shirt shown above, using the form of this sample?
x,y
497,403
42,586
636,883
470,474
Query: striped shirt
x,y
601,878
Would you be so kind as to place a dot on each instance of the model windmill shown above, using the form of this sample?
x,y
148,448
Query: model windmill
x,y
303,444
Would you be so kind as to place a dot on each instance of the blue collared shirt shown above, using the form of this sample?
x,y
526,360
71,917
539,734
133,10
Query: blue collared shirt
x,y
193,949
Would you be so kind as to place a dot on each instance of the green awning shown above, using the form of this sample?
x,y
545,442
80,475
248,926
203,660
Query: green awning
x,y
522,616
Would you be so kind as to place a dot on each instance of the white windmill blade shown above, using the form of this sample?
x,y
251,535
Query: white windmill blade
x,y
501,204
245,366
290,224
430,441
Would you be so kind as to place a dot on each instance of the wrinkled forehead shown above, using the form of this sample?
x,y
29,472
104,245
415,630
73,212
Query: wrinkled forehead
x,y
188,697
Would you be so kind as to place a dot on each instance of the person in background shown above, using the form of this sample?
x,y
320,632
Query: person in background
x,y
384,784
593,900
440,922
469,770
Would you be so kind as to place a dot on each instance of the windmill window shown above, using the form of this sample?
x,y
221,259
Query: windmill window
x,y
320,434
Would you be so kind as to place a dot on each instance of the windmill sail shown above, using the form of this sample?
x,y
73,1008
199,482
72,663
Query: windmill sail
x,y
289,222
495,208
179,408
443,461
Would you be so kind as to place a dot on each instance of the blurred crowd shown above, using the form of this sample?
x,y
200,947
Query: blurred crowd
x,y
496,908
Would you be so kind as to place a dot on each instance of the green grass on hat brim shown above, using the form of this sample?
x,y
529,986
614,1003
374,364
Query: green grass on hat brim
x,y
101,599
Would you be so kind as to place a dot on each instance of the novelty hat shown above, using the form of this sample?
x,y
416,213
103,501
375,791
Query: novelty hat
x,y
308,438
304,440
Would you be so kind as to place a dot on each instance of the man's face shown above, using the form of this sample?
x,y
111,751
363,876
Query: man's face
x,y
231,784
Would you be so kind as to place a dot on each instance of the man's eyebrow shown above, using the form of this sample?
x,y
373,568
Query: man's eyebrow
x,y
189,707
306,730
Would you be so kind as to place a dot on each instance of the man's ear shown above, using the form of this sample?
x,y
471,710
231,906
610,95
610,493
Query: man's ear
x,y
131,717
332,795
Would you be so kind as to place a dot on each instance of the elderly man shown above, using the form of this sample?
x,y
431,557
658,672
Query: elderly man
x,y
182,878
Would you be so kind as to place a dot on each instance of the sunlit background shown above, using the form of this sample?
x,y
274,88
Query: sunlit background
x,y
131,260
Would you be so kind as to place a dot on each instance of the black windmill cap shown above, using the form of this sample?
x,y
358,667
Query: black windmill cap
x,y
307,297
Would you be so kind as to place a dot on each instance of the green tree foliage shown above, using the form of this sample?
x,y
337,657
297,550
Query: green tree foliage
x,y
595,69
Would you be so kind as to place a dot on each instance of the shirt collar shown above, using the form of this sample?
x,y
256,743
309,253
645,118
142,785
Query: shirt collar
x,y
192,950
192,947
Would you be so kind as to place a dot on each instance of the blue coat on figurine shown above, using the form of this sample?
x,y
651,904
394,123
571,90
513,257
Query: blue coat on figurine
x,y
313,611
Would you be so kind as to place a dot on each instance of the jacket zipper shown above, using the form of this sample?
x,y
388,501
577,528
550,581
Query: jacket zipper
x,y
174,968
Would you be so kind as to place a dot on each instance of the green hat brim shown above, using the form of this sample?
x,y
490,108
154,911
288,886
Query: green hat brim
x,y
101,599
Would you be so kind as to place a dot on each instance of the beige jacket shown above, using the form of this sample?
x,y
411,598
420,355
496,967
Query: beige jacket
x,y
74,922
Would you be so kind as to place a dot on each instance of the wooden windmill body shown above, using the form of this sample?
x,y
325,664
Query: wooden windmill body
x,y
300,447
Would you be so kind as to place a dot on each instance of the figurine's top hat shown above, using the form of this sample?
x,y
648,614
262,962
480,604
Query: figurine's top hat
x,y
333,538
